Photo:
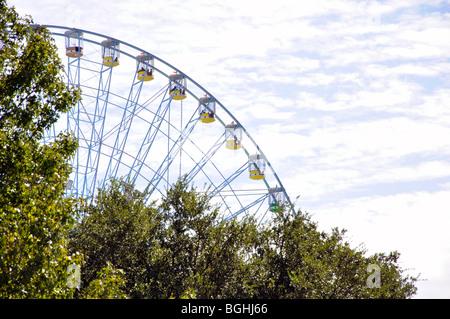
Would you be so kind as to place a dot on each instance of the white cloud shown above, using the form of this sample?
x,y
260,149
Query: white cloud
x,y
419,69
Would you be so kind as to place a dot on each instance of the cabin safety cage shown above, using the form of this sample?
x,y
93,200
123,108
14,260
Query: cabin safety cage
x,y
110,52
144,67
233,136
206,109
145,122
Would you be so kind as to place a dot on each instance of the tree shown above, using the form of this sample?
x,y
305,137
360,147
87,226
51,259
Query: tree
x,y
183,248
203,253
177,248
118,229
34,213
298,261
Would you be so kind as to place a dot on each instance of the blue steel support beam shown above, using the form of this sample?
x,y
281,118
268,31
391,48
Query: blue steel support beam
x,y
244,209
205,159
124,128
73,120
173,151
95,141
150,136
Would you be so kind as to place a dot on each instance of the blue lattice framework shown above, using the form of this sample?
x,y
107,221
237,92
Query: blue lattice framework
x,y
159,126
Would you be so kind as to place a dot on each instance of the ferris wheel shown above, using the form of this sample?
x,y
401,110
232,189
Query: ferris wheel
x,y
144,121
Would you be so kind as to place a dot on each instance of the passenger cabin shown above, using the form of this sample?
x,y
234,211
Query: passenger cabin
x,y
110,52
177,86
144,68
233,136
256,166
207,109
277,199
74,43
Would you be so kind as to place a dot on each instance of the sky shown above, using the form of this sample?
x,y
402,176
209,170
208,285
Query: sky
x,y
349,100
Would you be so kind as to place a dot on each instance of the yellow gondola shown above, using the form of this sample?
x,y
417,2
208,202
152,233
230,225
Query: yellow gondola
x,y
145,75
177,84
108,61
144,67
207,109
110,52
233,136
256,167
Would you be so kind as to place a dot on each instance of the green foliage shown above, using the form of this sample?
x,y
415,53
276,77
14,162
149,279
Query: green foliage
x,y
298,261
34,215
118,229
181,248
107,285
202,252
33,92
175,249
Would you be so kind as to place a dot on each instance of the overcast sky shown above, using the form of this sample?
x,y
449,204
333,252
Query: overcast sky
x,y
349,100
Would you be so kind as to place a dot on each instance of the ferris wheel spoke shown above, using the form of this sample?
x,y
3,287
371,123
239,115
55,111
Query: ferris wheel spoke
x,y
259,201
148,181
174,150
205,159
199,168
112,131
152,131
218,191
124,129
227,181
97,127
